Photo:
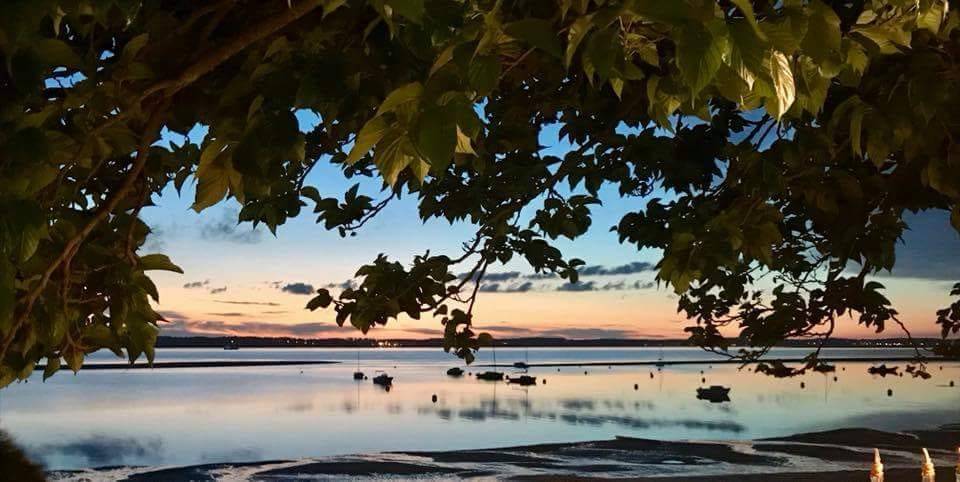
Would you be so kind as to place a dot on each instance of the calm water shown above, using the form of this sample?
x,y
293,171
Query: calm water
x,y
202,415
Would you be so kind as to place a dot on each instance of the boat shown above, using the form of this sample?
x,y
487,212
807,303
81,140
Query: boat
x,y
882,370
493,376
358,375
660,363
455,372
383,380
490,376
520,365
714,394
231,344
525,380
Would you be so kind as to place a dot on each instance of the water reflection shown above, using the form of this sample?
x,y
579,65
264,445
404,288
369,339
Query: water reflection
x,y
271,412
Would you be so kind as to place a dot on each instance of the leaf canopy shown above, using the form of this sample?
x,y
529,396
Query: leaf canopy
x,y
772,150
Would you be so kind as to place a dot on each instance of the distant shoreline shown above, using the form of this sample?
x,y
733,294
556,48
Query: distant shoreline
x,y
531,342
270,363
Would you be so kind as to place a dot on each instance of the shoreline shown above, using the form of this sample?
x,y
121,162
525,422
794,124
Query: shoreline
x,y
269,363
830,456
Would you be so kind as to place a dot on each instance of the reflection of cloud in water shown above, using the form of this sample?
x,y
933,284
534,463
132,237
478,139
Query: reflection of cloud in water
x,y
583,404
100,450
232,455
299,407
489,410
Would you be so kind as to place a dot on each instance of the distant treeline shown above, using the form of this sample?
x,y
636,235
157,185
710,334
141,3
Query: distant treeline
x,y
279,342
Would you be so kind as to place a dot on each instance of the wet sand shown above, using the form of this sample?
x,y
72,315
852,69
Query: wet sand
x,y
836,455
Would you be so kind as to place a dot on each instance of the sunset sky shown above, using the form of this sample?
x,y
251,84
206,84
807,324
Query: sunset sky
x,y
248,282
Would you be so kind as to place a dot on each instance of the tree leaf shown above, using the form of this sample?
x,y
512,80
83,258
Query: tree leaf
x,y
781,76
746,6
578,30
464,143
158,262
367,138
484,73
56,53
437,136
538,33
53,365
699,55
401,96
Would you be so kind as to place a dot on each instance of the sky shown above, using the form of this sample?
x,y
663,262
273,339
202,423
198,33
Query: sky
x,y
241,281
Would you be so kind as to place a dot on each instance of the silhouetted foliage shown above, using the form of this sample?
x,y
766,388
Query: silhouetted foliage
x,y
771,149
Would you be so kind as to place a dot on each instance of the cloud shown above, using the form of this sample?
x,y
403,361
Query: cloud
x,y
228,314
218,290
253,328
584,286
588,333
504,288
298,288
930,248
196,284
258,303
228,229
345,285
630,268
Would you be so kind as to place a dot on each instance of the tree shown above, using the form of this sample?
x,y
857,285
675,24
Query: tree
x,y
762,140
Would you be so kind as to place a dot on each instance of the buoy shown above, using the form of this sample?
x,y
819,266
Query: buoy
x,y
703,380
803,385
951,383
834,378
636,386
584,372
651,374
889,392
434,398
544,381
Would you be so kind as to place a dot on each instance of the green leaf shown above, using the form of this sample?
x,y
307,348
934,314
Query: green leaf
x,y
322,300
21,228
538,33
8,293
781,76
464,144
158,262
412,9
746,6
134,46
856,129
603,48
400,97
215,175
578,30
53,365
484,73
393,155
822,40
437,136
56,53
699,55
369,136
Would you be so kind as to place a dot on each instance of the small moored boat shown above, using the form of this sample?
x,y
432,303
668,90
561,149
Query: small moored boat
x,y
525,380
490,376
383,380
455,372
714,394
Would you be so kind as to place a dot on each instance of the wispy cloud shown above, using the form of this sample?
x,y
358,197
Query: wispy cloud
x,y
255,328
227,228
258,303
196,284
218,290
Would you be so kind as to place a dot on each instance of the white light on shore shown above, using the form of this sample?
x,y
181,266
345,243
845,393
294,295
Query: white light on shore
x,y
876,472
929,473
